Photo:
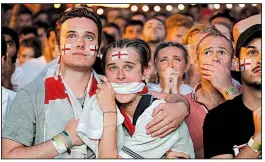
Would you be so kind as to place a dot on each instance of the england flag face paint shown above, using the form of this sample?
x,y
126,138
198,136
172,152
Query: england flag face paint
x,y
119,55
93,50
66,49
245,64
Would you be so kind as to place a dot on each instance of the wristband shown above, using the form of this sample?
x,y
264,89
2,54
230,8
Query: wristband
x,y
114,112
230,91
255,146
58,144
69,141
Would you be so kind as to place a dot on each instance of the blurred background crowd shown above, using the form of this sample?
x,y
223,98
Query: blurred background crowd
x,y
29,29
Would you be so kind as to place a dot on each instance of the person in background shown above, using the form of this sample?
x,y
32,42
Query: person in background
x,y
112,15
36,65
223,17
177,25
133,30
238,135
120,22
6,14
43,16
12,42
28,32
139,16
42,29
29,48
113,30
154,32
7,94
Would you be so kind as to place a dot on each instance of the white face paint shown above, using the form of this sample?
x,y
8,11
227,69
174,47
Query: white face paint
x,y
119,55
66,49
245,64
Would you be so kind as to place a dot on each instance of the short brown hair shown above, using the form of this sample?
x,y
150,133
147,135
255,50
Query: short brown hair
x,y
79,11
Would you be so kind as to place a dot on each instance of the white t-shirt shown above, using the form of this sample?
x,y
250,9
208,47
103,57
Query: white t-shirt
x,y
184,89
16,76
7,98
31,69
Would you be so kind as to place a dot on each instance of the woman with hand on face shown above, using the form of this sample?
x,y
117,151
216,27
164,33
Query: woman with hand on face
x,y
125,64
171,60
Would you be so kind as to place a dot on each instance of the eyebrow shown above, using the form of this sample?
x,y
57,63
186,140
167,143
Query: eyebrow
x,y
10,41
87,32
251,47
129,62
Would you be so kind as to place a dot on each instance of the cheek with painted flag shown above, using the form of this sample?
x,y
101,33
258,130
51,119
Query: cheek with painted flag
x,y
245,64
93,50
66,49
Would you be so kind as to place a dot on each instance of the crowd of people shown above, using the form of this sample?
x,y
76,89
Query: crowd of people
x,y
152,86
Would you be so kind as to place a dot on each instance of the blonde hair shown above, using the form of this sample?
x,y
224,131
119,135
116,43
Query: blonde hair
x,y
199,28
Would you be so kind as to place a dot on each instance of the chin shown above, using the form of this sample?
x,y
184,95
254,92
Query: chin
x,y
125,98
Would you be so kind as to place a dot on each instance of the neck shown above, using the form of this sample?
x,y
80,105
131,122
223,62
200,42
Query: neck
x,y
251,97
210,95
77,81
131,107
194,76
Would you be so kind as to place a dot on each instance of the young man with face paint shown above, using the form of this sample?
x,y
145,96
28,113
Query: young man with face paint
x,y
42,121
233,129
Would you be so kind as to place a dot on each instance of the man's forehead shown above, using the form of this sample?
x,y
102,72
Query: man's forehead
x,y
256,42
154,21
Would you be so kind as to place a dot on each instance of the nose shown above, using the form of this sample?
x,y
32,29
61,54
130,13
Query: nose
x,y
81,43
215,57
170,63
121,76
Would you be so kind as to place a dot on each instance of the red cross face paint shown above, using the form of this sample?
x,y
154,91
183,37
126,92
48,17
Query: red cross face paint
x,y
245,64
93,50
119,55
66,49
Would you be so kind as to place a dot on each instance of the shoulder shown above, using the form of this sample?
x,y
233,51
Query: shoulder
x,y
227,107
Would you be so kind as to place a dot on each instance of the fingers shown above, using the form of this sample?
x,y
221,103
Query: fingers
x,y
208,67
159,128
104,79
154,124
166,133
207,77
206,72
157,110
